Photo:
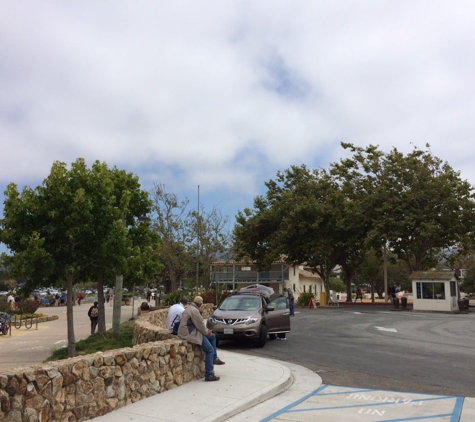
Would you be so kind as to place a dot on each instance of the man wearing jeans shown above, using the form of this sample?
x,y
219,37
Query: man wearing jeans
x,y
193,329
290,298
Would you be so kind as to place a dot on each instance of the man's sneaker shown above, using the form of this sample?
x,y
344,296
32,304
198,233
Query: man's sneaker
x,y
218,361
285,338
212,378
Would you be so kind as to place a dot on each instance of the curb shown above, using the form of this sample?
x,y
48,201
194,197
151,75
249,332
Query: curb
x,y
256,397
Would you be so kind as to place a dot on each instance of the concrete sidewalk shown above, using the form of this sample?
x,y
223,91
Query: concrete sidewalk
x,y
258,389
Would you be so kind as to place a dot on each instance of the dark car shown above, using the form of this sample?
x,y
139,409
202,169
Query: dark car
x,y
250,316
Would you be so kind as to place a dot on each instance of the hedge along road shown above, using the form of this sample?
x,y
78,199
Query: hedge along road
x,y
372,347
32,346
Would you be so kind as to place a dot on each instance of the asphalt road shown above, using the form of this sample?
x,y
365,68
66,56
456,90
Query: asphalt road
x,y
379,348
365,347
32,346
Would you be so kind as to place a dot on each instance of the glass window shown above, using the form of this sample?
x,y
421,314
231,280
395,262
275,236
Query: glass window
x,y
432,291
279,303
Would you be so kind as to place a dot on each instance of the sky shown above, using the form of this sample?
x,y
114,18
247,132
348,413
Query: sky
x,y
223,95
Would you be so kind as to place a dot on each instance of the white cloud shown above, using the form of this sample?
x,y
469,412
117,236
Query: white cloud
x,y
225,94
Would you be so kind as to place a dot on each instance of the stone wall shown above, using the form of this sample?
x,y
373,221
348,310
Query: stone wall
x,y
84,387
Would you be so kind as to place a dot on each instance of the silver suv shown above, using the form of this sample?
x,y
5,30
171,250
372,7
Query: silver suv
x,y
252,315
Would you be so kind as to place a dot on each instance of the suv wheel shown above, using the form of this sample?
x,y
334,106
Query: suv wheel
x,y
262,337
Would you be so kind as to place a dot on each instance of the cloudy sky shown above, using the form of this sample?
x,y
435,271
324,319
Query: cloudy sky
x,y
223,94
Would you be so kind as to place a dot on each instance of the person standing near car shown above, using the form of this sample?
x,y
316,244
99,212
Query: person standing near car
x,y
291,300
193,329
93,314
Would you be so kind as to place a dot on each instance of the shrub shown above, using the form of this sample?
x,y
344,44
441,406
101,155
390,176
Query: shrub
x,y
172,298
4,306
209,296
304,298
29,306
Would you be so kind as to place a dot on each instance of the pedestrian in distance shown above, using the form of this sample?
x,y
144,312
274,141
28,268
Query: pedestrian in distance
x,y
193,329
93,314
359,294
11,301
80,298
174,315
291,300
149,295
392,291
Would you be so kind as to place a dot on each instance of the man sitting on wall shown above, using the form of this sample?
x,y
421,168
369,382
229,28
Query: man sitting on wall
x,y
193,329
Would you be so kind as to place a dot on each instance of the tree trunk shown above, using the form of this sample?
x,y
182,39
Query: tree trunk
x,y
101,324
119,280
70,318
372,289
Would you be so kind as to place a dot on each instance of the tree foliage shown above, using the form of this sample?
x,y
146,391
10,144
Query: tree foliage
x,y
71,227
190,240
415,204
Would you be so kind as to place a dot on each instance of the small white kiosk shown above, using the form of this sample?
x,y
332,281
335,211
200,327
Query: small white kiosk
x,y
434,291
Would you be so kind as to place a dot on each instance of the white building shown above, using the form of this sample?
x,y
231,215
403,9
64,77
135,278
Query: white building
x,y
233,275
434,291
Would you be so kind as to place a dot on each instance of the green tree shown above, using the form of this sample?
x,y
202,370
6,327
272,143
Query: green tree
x,y
52,221
188,238
170,221
420,205
415,204
370,272
296,219
71,224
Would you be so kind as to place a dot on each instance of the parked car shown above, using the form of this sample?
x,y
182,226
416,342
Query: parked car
x,y
250,315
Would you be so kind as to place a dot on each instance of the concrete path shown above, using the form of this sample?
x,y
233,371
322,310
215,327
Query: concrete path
x,y
26,347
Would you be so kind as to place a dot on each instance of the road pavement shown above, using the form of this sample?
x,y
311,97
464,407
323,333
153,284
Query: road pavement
x,y
379,348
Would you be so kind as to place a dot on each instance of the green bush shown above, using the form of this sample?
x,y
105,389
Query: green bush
x,y
29,306
5,306
172,298
304,298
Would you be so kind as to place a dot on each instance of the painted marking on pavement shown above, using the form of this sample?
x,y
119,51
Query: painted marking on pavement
x,y
392,330
347,403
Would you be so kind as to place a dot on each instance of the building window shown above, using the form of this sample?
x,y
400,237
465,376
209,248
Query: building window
x,y
453,292
430,290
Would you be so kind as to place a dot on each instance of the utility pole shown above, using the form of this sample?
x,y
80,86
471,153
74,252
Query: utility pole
x,y
198,244
385,272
